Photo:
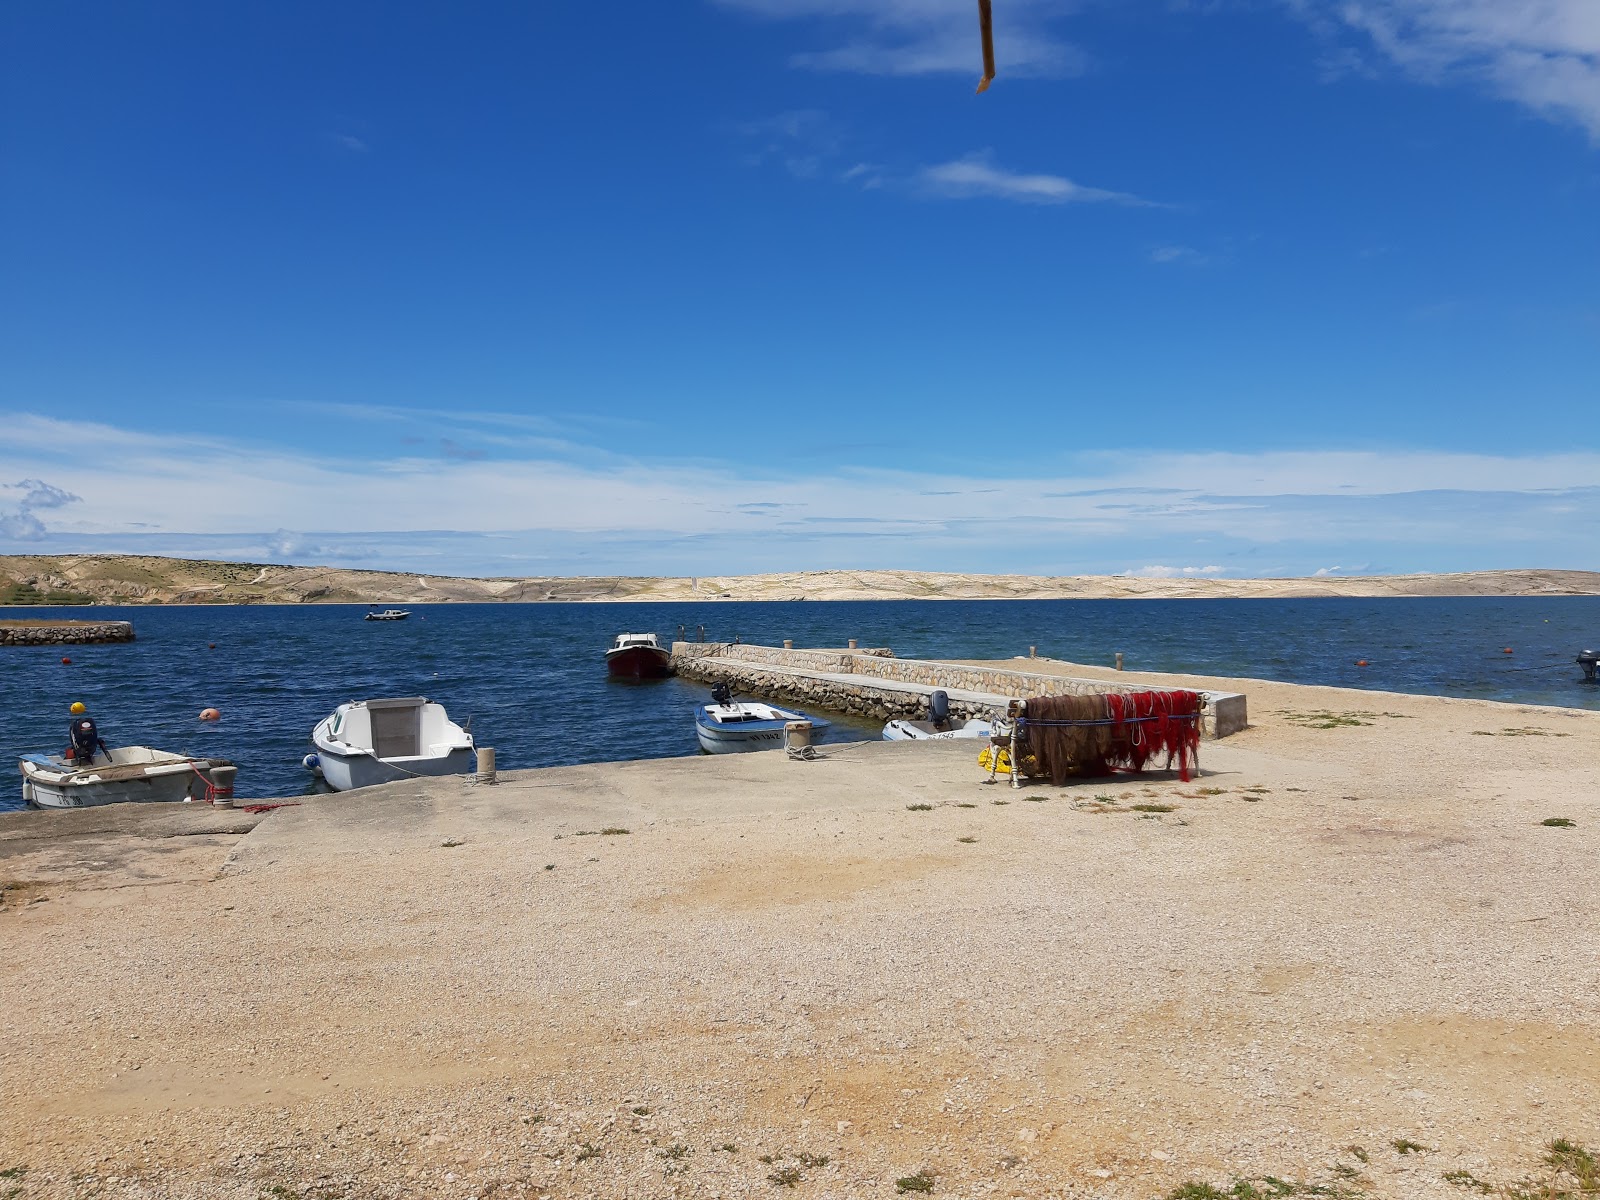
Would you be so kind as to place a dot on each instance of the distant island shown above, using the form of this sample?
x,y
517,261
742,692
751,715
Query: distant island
x,y
144,579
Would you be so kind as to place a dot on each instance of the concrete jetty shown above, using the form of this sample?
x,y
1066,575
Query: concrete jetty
x,y
64,633
874,683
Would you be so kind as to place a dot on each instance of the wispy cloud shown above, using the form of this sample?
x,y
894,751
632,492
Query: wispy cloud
x,y
1544,54
1184,256
1160,572
1246,513
803,141
926,37
809,144
977,175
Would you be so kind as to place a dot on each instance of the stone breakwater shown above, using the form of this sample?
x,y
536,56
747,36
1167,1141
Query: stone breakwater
x,y
64,633
874,684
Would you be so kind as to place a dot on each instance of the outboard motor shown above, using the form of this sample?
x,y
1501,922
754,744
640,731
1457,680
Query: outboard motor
x,y
939,710
721,694
1589,660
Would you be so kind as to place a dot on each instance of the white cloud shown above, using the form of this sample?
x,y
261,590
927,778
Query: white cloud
x,y
923,37
20,523
976,175
516,512
1160,572
1324,571
1544,54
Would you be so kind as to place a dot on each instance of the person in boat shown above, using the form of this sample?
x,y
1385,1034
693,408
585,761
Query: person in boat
x,y
85,736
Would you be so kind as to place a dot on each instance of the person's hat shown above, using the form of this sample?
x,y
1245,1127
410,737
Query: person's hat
x,y
78,707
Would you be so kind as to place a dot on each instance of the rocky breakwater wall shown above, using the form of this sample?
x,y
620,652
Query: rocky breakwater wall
x,y
64,633
823,680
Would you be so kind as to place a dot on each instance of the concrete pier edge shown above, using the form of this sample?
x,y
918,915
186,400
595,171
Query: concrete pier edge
x,y
874,683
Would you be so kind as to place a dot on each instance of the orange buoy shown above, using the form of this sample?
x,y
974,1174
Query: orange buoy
x,y
211,646
210,714
1508,649
1361,662
66,662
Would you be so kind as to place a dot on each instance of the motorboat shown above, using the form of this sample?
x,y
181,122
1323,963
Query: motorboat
x,y
123,774
939,726
638,656
927,731
1589,660
729,726
380,741
388,614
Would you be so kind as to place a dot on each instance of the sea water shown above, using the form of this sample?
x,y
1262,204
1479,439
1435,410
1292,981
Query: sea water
x,y
532,677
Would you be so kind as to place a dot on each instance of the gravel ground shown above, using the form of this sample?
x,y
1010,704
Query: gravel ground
x,y
782,978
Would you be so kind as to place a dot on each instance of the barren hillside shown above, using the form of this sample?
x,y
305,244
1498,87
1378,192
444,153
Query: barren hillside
x,y
136,579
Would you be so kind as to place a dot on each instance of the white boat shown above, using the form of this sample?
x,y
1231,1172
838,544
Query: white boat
x,y
927,731
727,726
388,614
124,774
380,741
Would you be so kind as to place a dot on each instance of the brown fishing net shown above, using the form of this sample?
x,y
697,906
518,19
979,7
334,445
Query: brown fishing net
x,y
1121,731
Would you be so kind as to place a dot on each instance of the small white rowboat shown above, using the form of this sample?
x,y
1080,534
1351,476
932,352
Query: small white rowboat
x,y
128,773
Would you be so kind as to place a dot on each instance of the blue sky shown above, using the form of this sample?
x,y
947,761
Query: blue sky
x,y
1243,287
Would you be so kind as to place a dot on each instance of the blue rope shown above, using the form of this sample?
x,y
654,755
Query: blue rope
x,y
1023,722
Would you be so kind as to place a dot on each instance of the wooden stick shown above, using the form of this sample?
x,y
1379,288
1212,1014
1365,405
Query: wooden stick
x,y
986,28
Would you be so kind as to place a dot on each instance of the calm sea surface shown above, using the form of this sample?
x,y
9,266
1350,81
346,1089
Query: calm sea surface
x,y
532,677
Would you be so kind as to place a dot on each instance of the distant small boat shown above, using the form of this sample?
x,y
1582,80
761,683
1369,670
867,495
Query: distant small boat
x,y
380,741
388,614
927,731
728,726
126,774
638,656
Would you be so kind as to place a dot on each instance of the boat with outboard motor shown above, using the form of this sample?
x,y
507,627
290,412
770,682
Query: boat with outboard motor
x,y
380,741
939,726
638,656
729,726
1589,660
123,774
388,614
927,731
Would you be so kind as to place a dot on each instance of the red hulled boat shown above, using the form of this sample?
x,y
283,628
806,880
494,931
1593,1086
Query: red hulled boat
x,y
638,656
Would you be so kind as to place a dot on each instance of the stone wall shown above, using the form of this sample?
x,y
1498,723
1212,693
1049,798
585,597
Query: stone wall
x,y
64,633
882,703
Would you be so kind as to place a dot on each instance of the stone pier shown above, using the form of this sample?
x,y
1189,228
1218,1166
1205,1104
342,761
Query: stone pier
x,y
64,633
874,683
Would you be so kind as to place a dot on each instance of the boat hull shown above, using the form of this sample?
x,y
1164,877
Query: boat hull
x,y
639,662
737,741
163,784
346,772
417,737
925,731
716,737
